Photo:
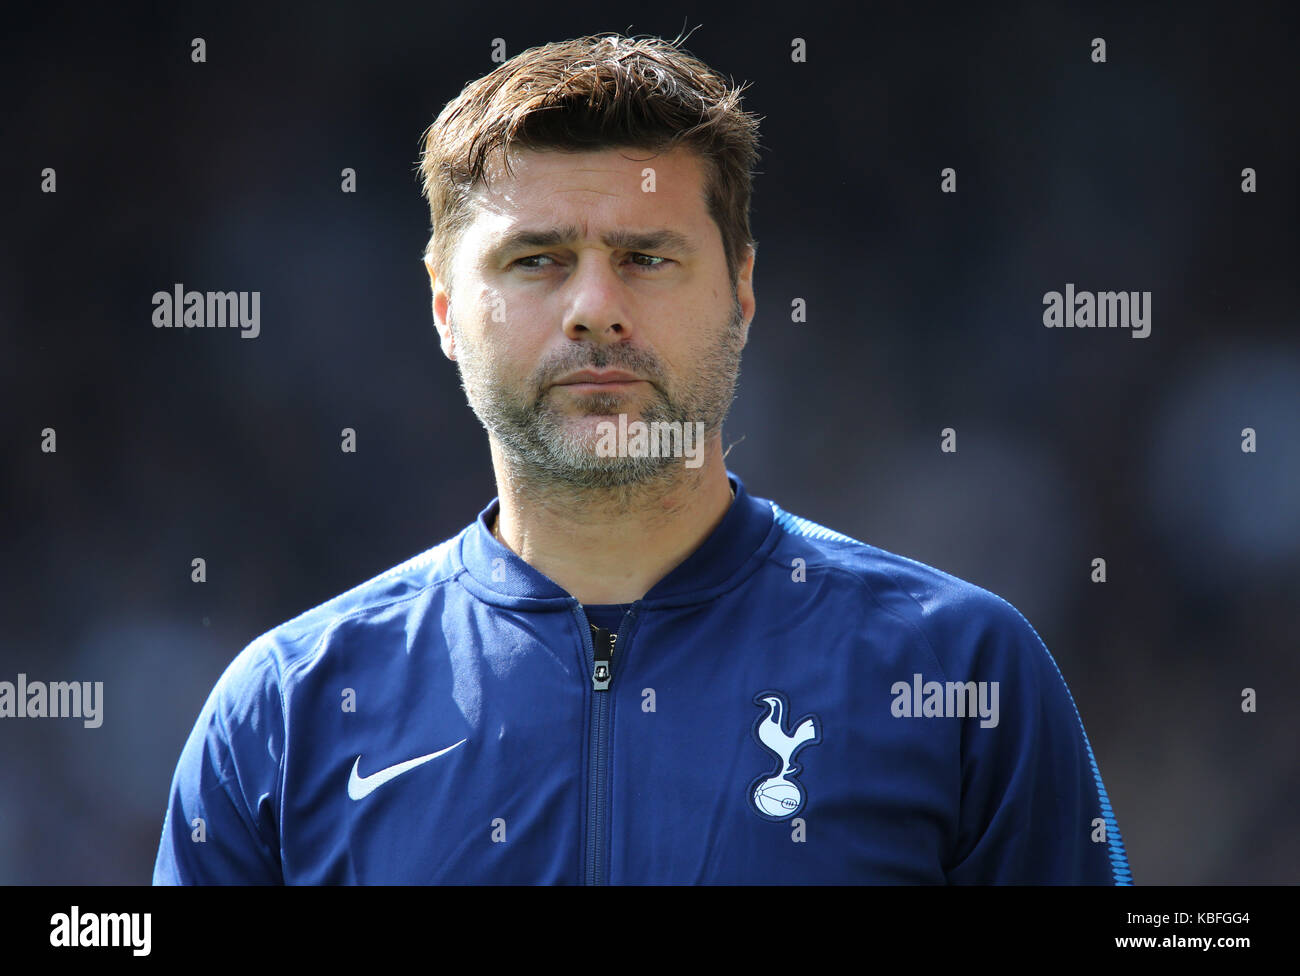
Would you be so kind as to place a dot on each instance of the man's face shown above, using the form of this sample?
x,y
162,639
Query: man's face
x,y
615,278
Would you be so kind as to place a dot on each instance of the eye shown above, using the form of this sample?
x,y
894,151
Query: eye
x,y
531,257
661,262
664,262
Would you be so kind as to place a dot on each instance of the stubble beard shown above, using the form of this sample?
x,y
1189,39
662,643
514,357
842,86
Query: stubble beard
x,y
549,456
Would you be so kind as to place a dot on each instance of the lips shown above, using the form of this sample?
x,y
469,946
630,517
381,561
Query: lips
x,y
598,377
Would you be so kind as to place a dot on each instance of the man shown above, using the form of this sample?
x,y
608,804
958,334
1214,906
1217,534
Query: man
x,y
629,669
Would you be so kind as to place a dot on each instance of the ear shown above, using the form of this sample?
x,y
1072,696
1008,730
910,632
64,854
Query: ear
x,y
441,304
745,288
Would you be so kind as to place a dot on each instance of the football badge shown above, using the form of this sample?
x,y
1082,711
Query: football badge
x,y
778,795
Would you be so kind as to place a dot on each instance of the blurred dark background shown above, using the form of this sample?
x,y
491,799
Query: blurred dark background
x,y
924,312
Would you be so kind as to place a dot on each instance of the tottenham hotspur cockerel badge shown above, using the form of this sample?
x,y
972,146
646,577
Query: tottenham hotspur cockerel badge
x,y
778,795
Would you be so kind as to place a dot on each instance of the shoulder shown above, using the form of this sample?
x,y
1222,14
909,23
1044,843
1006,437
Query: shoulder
x,y
957,618
268,660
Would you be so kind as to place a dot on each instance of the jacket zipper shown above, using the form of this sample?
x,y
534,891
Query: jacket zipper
x,y
600,643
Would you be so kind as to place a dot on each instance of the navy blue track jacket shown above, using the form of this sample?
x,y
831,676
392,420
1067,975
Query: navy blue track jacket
x,y
788,705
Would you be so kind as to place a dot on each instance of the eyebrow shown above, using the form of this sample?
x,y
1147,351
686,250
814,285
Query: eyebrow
x,y
622,240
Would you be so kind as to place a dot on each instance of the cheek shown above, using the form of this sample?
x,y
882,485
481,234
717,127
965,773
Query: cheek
x,y
481,321
495,310
500,350
509,323
698,345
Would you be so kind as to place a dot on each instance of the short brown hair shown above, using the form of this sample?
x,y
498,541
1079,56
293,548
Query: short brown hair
x,y
610,91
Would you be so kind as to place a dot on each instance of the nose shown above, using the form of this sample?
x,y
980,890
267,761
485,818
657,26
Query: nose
x,y
597,309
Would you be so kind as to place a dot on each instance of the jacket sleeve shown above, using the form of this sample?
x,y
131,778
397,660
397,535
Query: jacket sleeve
x,y
1033,807
221,824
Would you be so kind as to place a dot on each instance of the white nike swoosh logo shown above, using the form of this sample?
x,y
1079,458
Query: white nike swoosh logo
x,y
363,786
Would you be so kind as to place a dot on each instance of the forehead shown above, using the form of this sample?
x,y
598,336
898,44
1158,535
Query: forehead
x,y
601,189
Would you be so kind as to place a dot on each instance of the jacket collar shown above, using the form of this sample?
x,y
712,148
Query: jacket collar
x,y
732,551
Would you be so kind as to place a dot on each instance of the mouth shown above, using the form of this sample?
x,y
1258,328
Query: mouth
x,y
600,387
600,381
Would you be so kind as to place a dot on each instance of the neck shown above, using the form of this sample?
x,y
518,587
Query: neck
x,y
610,545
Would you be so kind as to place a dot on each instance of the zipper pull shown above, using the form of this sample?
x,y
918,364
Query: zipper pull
x,y
602,642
